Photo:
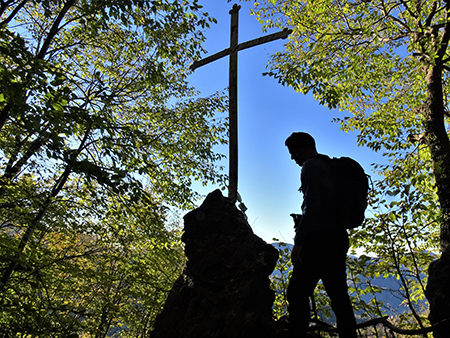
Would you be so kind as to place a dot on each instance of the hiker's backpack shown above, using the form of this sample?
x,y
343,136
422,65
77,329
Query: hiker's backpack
x,y
351,191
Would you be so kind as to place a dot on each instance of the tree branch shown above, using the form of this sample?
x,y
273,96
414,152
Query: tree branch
x,y
429,19
37,219
54,29
444,39
322,326
13,13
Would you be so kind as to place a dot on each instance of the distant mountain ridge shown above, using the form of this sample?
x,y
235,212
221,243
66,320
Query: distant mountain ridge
x,y
390,296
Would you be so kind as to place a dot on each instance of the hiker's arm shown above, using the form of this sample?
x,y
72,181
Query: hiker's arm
x,y
311,208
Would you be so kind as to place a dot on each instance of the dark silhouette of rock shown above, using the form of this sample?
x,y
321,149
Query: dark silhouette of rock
x,y
223,291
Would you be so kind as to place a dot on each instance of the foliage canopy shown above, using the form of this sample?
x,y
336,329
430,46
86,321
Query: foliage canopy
x,y
99,134
377,60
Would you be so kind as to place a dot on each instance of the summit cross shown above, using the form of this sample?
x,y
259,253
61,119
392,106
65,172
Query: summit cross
x,y
232,87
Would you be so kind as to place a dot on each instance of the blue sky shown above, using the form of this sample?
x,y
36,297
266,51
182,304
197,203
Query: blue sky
x,y
267,114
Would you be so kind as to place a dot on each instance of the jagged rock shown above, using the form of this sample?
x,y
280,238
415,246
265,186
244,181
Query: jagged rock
x,y
223,291
438,295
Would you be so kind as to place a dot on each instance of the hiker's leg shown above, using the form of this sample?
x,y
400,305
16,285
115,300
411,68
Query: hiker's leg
x,y
301,287
335,282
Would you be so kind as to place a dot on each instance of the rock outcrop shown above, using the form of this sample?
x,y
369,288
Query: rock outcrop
x,y
223,291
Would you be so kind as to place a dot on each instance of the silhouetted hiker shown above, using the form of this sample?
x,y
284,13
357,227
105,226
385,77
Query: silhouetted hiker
x,y
320,245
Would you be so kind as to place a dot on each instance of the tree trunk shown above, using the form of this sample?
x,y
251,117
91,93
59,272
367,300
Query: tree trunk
x,y
438,288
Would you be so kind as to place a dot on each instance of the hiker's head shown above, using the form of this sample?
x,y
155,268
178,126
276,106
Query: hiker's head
x,y
301,146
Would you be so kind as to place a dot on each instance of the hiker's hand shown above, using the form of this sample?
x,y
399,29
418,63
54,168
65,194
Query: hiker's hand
x,y
296,256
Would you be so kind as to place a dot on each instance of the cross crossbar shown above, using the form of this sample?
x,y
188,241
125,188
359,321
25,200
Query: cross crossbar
x,y
251,43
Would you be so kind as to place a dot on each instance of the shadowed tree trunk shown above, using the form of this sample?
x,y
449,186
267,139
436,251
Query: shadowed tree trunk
x,y
438,288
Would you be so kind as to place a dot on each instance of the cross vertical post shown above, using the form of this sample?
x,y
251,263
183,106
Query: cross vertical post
x,y
232,105
232,51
